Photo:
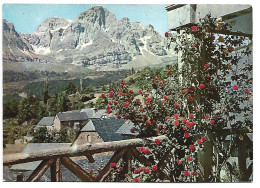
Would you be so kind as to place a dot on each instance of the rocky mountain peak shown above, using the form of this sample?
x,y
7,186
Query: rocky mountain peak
x,y
52,23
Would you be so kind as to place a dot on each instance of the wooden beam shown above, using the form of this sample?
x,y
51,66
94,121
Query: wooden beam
x,y
79,150
19,177
56,173
40,170
141,158
76,170
114,159
90,158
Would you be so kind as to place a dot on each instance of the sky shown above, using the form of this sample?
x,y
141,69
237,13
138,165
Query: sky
x,y
26,17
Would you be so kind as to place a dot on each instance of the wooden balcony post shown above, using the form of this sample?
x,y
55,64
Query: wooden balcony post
x,y
40,170
19,177
76,169
56,173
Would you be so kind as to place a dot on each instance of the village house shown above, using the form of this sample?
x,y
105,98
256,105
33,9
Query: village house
x,y
71,119
45,122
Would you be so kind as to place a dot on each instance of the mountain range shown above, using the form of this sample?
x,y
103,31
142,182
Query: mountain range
x,y
95,39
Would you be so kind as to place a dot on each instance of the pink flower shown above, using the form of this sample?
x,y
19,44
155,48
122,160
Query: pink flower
x,y
108,110
103,95
112,165
186,173
189,158
202,86
206,116
199,142
176,116
186,135
235,87
176,123
165,97
194,28
111,93
191,116
154,168
246,90
212,122
203,139
191,147
126,104
157,141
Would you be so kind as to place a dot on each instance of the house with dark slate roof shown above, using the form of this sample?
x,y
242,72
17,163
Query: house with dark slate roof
x,y
45,122
126,128
73,119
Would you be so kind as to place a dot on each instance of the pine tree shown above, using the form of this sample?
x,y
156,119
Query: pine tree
x,y
45,91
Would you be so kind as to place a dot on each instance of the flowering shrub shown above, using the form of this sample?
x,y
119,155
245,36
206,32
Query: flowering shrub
x,y
192,102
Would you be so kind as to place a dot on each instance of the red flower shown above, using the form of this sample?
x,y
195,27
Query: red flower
x,y
210,85
167,117
146,170
103,95
189,124
137,180
191,98
203,139
176,105
191,147
191,116
194,173
108,110
193,88
166,34
194,28
179,162
146,151
194,107
212,122
126,104
164,130
148,123
165,97
115,102
189,158
109,102
157,141
199,142
154,168
112,165
176,116
168,72
202,86
176,123
138,100
184,120
149,99
184,128
235,87
160,83
186,173
186,135
132,131
246,90
206,116
159,127
131,91
111,93
146,95
195,45
206,65
141,149
140,92
91,171
183,91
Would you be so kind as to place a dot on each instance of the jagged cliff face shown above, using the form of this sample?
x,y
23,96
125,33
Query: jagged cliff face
x,y
95,38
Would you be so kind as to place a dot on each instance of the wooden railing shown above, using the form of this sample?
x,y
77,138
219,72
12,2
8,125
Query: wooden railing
x,y
54,158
